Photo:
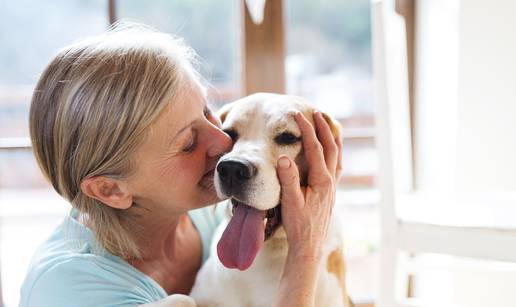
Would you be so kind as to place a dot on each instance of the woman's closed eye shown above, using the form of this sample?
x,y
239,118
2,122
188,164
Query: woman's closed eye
x,y
191,143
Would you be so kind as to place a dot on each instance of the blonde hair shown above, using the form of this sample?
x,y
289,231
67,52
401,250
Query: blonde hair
x,y
91,109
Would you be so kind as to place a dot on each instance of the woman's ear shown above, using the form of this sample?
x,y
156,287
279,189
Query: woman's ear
x,y
334,125
111,192
223,112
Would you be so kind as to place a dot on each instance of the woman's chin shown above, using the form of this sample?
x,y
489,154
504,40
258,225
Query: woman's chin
x,y
208,191
209,197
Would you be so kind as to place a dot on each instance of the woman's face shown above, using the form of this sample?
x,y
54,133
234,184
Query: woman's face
x,y
174,166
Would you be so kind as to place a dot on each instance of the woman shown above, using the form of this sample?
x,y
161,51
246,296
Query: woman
x,y
120,127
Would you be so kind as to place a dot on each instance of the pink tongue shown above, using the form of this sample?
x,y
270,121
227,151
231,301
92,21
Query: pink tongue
x,y
242,238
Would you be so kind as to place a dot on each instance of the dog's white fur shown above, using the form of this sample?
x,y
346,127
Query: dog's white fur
x,y
257,119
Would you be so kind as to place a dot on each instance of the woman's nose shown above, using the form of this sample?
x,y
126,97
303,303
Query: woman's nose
x,y
220,142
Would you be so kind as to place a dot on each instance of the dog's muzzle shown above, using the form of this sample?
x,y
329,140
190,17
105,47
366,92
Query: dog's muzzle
x,y
235,174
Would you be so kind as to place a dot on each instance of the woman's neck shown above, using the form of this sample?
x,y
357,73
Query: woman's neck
x,y
159,238
171,252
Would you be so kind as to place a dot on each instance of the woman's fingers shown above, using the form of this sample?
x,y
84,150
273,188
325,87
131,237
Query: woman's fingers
x,y
313,150
330,149
288,175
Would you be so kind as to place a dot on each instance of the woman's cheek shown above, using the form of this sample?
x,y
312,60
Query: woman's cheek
x,y
188,169
168,170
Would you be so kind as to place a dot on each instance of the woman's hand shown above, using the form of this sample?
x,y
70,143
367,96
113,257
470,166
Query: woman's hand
x,y
306,212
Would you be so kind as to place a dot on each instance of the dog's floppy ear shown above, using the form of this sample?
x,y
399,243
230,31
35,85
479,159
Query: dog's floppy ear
x,y
223,112
336,129
334,125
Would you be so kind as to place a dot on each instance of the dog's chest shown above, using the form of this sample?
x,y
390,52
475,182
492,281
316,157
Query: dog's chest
x,y
260,282
218,286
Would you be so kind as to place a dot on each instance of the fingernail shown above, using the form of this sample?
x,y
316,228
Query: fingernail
x,y
284,162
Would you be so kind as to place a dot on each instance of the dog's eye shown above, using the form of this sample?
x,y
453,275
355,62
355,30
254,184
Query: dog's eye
x,y
286,138
232,134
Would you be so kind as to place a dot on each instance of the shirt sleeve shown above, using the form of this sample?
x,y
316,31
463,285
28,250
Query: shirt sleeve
x,y
80,282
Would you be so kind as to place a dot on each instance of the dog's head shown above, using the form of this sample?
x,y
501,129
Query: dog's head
x,y
262,127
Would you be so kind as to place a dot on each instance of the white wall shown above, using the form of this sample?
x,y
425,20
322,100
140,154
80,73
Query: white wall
x,y
486,152
436,94
465,113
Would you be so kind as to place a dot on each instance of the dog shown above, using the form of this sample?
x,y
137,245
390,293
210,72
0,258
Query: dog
x,y
252,245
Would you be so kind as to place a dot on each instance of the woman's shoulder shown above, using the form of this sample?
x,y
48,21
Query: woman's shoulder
x,y
79,281
66,271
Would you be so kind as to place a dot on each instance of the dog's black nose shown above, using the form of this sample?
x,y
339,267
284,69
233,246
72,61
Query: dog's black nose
x,y
234,173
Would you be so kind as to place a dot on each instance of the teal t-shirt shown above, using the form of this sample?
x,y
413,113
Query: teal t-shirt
x,y
66,272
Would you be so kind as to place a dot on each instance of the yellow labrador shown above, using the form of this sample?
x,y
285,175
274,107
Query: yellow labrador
x,y
251,245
